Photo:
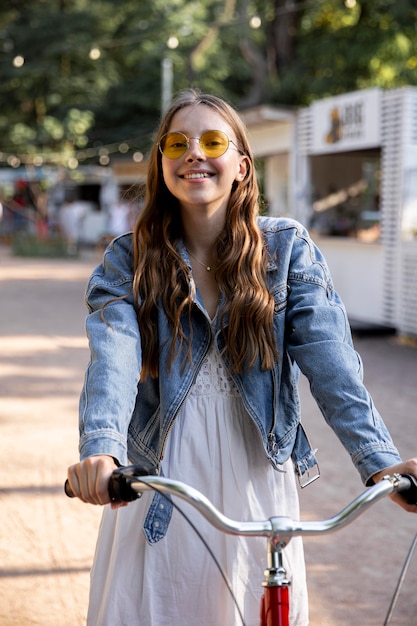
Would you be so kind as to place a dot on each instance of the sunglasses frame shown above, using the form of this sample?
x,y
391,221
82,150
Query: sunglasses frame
x,y
188,140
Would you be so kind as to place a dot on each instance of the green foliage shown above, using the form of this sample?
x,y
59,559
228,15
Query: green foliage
x,y
77,75
342,49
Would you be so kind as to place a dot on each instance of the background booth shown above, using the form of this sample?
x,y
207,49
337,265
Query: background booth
x,y
355,187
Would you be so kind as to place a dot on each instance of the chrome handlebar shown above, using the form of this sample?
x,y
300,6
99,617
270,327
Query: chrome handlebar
x,y
128,484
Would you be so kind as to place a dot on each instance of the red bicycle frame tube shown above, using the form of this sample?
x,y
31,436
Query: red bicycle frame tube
x,y
275,606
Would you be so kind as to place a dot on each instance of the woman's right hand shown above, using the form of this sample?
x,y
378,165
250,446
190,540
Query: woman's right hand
x,y
89,479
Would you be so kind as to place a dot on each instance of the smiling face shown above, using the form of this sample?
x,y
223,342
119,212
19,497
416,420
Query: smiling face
x,y
201,183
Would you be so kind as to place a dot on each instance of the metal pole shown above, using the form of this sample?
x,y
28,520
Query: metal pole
x,y
166,83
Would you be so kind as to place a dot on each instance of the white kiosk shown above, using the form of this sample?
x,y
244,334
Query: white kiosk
x,y
355,187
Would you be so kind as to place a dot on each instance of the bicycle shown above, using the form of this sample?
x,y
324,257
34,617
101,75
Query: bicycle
x,y
128,483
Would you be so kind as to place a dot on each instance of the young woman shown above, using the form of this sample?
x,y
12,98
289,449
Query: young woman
x,y
198,323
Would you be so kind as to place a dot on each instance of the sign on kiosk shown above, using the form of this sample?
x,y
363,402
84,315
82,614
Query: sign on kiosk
x,y
347,122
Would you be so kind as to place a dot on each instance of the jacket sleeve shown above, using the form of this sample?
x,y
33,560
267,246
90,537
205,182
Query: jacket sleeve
x,y
320,342
110,386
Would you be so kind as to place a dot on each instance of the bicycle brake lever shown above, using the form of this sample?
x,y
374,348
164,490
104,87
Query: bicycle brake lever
x,y
121,480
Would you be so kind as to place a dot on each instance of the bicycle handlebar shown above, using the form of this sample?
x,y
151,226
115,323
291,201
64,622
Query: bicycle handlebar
x,y
128,483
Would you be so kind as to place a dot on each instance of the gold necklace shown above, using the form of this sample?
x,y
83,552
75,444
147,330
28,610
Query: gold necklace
x,y
206,267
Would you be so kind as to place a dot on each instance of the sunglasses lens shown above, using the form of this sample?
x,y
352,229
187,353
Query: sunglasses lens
x,y
173,145
214,143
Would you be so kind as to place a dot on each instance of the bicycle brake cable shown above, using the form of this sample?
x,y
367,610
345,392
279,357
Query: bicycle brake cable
x,y
400,581
204,542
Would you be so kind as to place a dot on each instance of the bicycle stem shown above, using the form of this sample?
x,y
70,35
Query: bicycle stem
x,y
275,601
275,574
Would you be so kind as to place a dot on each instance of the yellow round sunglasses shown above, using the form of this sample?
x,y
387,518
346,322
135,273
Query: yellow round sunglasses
x,y
214,143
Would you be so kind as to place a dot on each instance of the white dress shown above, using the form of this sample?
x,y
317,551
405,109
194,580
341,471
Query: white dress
x,y
215,447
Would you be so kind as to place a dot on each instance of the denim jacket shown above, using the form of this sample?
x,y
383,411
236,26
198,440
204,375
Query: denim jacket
x,y
131,420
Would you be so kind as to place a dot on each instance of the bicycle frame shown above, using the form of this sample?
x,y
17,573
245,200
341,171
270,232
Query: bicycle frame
x,y
128,483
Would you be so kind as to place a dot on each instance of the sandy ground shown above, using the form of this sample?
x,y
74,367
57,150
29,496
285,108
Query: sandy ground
x,y
47,541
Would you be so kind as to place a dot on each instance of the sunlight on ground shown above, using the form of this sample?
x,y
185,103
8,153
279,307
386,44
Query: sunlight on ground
x,y
18,345
35,271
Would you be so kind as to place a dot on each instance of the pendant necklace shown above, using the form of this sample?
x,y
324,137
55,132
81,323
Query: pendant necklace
x,y
206,267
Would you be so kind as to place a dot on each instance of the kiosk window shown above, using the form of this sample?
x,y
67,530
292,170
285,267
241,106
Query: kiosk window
x,y
346,196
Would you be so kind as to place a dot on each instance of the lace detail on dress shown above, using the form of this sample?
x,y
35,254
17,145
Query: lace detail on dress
x,y
213,377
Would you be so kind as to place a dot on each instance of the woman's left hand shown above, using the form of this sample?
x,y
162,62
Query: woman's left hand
x,y
407,467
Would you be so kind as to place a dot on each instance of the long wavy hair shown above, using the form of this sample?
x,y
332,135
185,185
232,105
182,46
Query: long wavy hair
x,y
161,275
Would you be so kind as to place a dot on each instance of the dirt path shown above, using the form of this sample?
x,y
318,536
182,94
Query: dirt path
x,y
47,541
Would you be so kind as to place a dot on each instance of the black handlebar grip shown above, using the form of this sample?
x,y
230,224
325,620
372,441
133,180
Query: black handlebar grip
x,y
410,494
68,490
120,489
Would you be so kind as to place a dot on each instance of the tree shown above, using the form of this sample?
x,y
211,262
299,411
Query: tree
x,y
82,80
358,44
